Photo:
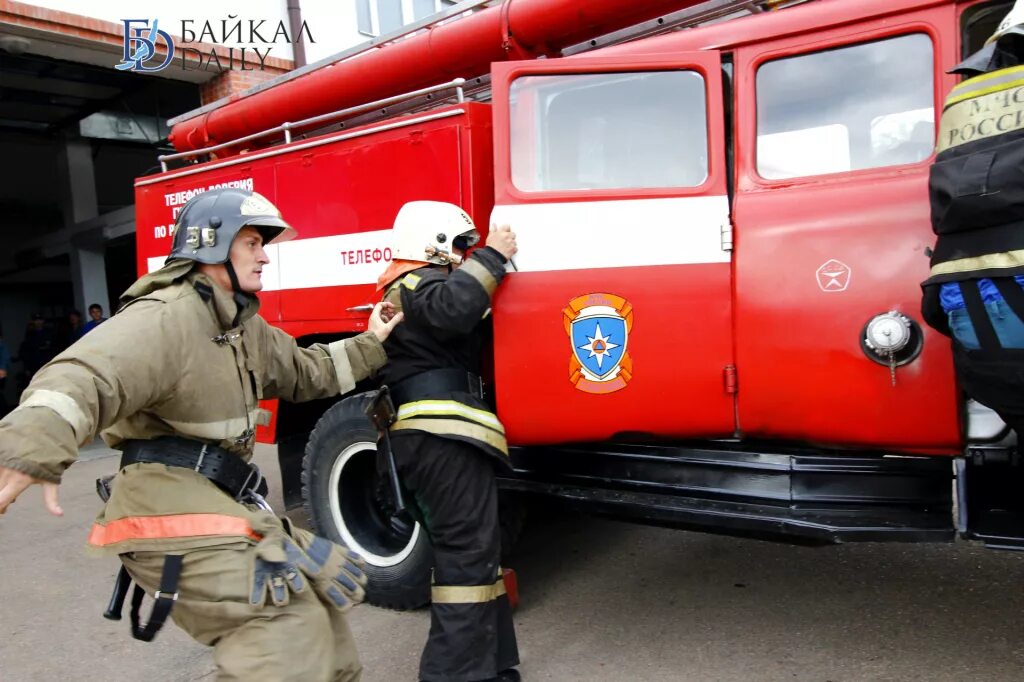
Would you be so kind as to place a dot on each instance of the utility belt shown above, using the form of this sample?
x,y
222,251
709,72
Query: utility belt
x,y
227,471
429,384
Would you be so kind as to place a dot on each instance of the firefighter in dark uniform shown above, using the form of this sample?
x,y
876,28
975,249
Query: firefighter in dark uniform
x,y
446,440
974,293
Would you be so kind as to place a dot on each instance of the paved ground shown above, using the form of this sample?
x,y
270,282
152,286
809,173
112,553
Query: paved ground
x,y
602,601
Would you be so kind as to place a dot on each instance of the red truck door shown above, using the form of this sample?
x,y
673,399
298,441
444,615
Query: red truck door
x,y
832,229
618,320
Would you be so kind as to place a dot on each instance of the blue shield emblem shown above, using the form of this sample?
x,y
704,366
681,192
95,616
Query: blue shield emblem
x,y
599,342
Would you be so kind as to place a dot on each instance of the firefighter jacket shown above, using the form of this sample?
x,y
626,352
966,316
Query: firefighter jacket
x,y
170,363
976,184
443,329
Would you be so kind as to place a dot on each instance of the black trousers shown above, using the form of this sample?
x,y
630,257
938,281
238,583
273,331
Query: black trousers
x,y
994,379
452,482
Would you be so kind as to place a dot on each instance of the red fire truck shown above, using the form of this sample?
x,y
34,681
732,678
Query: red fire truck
x,y
714,321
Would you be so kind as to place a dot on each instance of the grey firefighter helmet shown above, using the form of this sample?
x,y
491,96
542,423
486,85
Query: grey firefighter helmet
x,y
209,222
427,231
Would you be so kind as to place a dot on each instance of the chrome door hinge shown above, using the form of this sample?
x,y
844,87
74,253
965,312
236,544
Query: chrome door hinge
x,y
727,235
729,375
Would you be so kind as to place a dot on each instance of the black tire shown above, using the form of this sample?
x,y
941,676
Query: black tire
x,y
512,517
340,488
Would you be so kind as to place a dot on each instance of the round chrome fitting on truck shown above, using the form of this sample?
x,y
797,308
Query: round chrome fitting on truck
x,y
892,339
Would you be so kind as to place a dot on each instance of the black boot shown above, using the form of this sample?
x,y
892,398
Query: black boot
x,y
508,675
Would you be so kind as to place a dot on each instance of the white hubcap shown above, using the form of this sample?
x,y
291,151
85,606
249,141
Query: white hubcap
x,y
337,470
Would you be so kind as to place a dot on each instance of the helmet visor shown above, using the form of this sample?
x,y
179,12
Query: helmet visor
x,y
466,240
273,230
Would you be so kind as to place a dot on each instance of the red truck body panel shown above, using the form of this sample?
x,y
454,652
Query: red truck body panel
x,y
341,193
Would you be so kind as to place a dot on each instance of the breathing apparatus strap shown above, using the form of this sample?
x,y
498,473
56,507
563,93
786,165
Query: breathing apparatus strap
x,y
986,333
240,298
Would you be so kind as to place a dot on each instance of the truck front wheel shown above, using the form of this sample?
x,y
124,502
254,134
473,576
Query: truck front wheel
x,y
342,493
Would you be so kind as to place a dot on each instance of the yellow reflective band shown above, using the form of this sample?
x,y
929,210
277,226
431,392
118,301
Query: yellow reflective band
x,y
981,116
481,274
434,408
410,281
474,594
65,407
1002,79
454,427
980,92
342,365
990,261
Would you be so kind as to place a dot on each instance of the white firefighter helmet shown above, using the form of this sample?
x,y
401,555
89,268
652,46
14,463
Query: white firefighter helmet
x,y
428,231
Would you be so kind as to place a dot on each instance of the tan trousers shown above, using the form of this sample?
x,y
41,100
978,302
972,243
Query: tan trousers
x,y
305,641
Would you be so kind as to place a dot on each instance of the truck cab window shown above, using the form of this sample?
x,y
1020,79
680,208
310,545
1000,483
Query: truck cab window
x,y
609,131
863,106
978,23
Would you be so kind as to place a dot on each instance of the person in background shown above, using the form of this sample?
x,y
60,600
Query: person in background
x,y
95,318
36,348
68,331
5,369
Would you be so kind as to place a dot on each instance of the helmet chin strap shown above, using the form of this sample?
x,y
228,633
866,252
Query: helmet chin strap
x,y
240,297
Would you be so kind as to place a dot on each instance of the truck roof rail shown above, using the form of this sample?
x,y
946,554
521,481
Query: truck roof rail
x,y
288,127
711,10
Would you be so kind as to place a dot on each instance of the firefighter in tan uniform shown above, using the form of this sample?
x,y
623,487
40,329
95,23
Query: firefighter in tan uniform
x,y
173,381
446,441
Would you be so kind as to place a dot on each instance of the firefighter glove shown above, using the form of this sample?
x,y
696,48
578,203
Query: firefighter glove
x,y
339,577
279,567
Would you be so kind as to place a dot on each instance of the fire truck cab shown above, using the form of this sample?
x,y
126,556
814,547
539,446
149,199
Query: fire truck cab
x,y
714,317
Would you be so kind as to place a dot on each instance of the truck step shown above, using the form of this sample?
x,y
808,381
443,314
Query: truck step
x,y
800,496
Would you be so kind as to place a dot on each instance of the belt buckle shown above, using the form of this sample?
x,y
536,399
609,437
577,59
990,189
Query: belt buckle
x,y
248,492
258,500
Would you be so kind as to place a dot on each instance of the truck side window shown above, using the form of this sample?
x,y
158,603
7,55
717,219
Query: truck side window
x,y
979,22
863,106
609,131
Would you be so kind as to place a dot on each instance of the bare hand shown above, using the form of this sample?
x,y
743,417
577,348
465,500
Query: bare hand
x,y
14,483
503,240
383,319
3,373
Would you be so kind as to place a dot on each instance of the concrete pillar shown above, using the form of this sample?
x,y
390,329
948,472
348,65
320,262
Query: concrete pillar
x,y
78,203
78,179
89,279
